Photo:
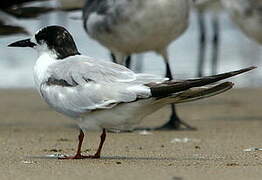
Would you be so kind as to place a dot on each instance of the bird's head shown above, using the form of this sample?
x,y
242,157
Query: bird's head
x,y
55,40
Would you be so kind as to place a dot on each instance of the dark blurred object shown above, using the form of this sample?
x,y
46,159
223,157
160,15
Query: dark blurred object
x,y
10,3
28,12
11,29
14,8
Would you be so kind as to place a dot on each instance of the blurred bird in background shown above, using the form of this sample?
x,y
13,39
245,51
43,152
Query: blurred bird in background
x,y
12,9
129,27
247,14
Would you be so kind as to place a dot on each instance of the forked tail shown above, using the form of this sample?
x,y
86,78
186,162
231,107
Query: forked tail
x,y
169,87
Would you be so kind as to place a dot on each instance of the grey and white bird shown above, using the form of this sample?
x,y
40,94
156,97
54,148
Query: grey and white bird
x,y
101,95
127,27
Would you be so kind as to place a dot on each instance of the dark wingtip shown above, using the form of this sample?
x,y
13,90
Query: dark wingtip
x,y
222,76
253,67
229,84
244,70
237,72
173,87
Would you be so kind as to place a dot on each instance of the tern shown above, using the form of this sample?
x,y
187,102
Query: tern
x,y
102,95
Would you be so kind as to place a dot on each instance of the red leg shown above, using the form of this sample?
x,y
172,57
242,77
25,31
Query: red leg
x,y
78,152
102,140
81,138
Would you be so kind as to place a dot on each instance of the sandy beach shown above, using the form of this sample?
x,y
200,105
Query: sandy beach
x,y
227,124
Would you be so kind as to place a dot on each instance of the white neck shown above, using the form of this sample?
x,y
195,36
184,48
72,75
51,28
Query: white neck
x,y
41,73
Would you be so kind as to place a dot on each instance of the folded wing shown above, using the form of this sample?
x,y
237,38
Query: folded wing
x,y
79,84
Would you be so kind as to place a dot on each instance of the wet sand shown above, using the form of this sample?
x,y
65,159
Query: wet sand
x,y
227,124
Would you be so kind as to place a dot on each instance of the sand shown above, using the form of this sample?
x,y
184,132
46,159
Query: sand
x,y
227,124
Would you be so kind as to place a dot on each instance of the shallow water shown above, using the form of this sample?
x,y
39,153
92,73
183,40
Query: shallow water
x,y
236,52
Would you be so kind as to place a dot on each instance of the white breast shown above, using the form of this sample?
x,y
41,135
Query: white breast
x,y
124,116
41,68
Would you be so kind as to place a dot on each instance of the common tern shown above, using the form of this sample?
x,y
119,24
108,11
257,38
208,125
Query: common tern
x,y
103,95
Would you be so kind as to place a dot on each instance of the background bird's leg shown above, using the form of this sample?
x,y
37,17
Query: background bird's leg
x,y
128,62
102,140
216,43
202,42
119,58
168,71
174,121
139,63
113,58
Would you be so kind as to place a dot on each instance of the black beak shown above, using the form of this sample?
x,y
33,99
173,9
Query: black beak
x,y
22,43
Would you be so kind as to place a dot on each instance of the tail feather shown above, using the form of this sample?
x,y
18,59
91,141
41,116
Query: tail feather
x,y
169,87
196,93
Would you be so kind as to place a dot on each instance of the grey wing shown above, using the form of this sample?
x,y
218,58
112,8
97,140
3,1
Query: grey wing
x,y
80,84
78,70
97,16
99,7
73,101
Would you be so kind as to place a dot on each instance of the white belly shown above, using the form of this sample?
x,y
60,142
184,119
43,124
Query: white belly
x,y
123,117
